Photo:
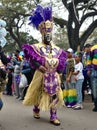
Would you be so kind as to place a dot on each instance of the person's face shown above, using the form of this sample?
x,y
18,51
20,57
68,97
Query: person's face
x,y
87,49
16,53
47,38
69,54
77,59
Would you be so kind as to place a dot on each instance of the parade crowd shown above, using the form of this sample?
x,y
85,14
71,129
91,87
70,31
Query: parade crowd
x,y
75,80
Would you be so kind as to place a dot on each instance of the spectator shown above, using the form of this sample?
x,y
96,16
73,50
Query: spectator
x,y
92,72
28,72
3,57
9,83
87,80
79,80
3,82
70,92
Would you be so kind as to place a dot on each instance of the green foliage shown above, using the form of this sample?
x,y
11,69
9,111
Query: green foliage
x,y
16,13
60,38
28,39
25,38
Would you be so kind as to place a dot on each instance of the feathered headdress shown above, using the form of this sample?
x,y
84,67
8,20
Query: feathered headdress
x,y
41,19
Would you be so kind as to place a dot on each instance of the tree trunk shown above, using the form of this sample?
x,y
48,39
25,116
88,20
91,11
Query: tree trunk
x,y
73,29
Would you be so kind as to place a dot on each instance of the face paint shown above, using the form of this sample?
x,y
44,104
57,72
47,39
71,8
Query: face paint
x,y
47,38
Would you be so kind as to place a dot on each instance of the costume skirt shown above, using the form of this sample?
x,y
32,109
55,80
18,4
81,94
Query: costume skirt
x,y
36,96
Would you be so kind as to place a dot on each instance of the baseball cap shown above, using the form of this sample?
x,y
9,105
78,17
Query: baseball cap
x,y
70,50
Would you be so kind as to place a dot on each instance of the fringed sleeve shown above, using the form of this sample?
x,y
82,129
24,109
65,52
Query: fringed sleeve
x,y
62,61
31,54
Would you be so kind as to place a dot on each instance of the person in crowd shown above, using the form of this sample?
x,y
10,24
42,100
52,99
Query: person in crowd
x,y
17,54
3,82
78,72
10,80
16,62
3,57
92,71
48,60
87,79
28,72
69,92
16,78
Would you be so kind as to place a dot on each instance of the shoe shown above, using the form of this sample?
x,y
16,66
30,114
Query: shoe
x,y
17,97
20,99
78,107
55,122
74,106
94,109
69,106
36,115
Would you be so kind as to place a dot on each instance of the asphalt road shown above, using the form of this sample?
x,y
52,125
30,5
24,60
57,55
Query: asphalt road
x,y
15,116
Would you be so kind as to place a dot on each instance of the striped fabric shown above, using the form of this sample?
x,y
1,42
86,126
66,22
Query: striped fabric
x,y
70,97
92,58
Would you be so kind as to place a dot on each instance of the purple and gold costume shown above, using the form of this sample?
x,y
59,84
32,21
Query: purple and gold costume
x,y
45,91
45,86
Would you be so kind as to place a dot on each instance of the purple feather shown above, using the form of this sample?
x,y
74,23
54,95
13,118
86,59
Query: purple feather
x,y
47,12
40,14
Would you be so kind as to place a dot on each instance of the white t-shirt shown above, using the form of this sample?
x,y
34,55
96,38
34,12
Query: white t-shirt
x,y
79,67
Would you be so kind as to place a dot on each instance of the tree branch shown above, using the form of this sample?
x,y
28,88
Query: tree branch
x,y
87,33
18,13
65,4
61,22
87,15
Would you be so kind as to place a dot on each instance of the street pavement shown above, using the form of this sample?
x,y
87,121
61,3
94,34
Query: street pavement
x,y
16,116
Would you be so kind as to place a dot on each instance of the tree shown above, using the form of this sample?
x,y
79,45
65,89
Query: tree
x,y
93,37
15,13
11,43
60,37
79,11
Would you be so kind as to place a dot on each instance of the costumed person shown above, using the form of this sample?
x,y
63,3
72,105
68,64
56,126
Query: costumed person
x,y
44,91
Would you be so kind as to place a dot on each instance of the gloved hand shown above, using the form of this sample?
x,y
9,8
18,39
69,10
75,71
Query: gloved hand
x,y
42,69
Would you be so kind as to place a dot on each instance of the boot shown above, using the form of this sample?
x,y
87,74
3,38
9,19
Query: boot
x,y
36,111
53,118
